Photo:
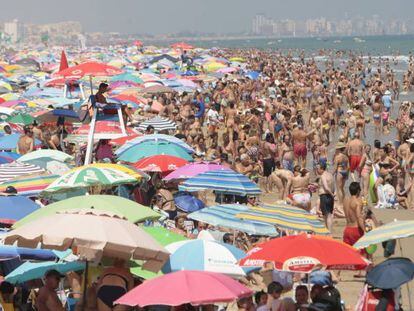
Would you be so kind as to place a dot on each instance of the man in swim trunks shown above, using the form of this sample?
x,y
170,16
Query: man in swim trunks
x,y
326,195
355,150
299,139
355,219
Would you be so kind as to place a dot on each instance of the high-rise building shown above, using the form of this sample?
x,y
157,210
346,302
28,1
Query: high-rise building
x,y
13,30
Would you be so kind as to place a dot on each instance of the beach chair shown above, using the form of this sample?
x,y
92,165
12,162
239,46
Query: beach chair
x,y
98,113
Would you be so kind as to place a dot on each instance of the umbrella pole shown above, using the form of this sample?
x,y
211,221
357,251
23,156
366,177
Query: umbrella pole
x,y
85,285
91,84
408,286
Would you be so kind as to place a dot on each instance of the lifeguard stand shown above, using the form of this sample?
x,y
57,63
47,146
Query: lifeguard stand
x,y
99,114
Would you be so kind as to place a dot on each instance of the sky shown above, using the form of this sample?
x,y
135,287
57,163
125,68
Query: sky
x,y
172,16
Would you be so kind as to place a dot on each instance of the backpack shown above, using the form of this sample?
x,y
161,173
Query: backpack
x,y
331,298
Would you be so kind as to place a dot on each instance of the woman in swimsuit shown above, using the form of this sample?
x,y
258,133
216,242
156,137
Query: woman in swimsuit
x,y
365,168
113,283
341,168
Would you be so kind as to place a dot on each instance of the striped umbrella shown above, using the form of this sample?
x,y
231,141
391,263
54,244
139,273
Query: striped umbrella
x,y
394,230
30,185
88,176
225,216
15,169
159,124
286,217
223,181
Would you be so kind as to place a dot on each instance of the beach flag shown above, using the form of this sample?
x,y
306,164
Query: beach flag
x,y
63,61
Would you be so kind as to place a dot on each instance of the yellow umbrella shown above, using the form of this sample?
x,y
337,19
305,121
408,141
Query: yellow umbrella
x,y
138,175
213,66
237,59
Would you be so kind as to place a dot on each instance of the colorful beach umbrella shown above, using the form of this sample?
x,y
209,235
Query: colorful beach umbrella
x,y
391,231
87,176
222,181
193,287
150,148
224,216
30,185
131,210
159,163
12,170
204,255
90,69
15,207
9,142
24,119
46,153
193,169
158,123
301,253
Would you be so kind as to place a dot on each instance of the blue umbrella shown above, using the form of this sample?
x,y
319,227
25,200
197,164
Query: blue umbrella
x,y
9,154
8,252
35,270
9,142
222,181
253,75
391,273
188,203
15,207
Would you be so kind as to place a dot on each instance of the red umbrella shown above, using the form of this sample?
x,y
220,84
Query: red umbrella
x,y
122,140
182,46
194,287
160,163
63,61
138,43
301,253
90,69
103,128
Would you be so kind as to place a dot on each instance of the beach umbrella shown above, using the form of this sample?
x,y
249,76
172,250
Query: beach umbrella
x,y
253,75
301,253
127,77
8,252
5,159
286,217
50,165
63,61
24,119
15,169
9,142
222,181
88,176
150,148
123,140
15,207
36,270
103,130
29,185
157,89
92,235
154,137
128,209
391,273
193,287
90,69
159,163
54,115
193,169
163,235
10,154
188,203
46,153
182,46
391,231
224,216
204,255
159,124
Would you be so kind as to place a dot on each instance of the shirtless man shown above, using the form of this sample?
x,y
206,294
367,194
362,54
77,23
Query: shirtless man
x,y
326,195
355,151
287,155
355,219
47,300
297,188
299,139
280,177
351,123
26,142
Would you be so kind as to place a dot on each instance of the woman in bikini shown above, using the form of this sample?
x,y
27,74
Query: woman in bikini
x,y
341,169
365,167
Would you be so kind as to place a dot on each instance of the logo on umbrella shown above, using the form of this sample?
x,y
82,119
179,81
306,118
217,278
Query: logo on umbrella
x,y
300,264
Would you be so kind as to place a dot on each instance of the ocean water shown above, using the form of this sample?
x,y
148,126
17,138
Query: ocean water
x,y
370,45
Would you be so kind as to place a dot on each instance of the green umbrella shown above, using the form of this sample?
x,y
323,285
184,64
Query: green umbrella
x,y
150,148
164,236
131,210
136,269
24,119
127,77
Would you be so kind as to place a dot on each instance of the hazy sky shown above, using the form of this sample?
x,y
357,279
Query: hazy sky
x,y
169,16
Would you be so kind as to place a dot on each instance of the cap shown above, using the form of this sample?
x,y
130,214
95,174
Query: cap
x,y
54,273
10,190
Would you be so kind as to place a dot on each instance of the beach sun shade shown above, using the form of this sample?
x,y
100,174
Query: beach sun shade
x,y
155,138
159,124
131,210
15,207
301,253
29,185
192,169
163,235
188,203
90,69
151,148
46,153
390,231
91,234
9,142
391,273
286,217
222,181
15,169
8,252
225,216
193,287
90,175
160,163
203,255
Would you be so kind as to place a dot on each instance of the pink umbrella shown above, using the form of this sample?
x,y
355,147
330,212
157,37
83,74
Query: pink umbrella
x,y
194,287
193,169
227,70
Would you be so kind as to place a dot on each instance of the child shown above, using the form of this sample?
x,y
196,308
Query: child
x,y
261,301
275,290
